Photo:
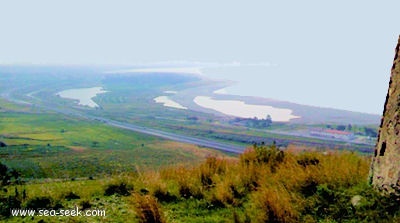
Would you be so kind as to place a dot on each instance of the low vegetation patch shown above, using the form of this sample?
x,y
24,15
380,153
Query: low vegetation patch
x,y
263,185
147,209
122,189
269,185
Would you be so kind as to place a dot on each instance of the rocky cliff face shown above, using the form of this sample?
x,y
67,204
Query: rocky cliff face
x,y
385,168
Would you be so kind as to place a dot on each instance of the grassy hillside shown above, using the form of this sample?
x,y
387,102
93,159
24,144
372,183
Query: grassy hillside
x,y
263,185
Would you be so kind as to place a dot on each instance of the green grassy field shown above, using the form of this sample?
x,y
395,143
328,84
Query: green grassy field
x,y
130,99
47,145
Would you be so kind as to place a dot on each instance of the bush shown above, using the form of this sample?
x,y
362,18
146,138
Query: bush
x,y
190,191
121,189
211,167
164,195
85,204
71,196
261,155
8,203
229,190
188,182
274,203
148,210
37,203
307,161
8,176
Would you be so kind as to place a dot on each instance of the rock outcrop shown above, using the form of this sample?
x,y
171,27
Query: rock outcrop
x,y
385,167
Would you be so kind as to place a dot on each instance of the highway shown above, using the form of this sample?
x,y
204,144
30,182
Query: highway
x,y
179,138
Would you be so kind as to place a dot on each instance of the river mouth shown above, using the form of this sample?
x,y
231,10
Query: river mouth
x,y
84,96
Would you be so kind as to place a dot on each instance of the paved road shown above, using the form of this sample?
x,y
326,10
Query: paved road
x,y
179,138
145,130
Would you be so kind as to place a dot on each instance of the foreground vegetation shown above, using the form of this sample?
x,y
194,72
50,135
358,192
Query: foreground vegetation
x,y
263,185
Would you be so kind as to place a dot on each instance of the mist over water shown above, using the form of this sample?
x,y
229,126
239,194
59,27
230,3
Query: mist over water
x,y
318,86
275,82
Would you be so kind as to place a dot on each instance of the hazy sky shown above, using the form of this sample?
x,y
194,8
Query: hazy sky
x,y
330,53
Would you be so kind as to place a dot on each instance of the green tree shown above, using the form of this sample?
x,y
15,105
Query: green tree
x,y
349,127
269,120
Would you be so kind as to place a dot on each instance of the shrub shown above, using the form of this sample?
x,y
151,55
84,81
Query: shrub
x,y
188,182
8,176
71,196
148,210
250,175
163,195
85,204
8,203
307,161
309,187
261,155
39,203
223,194
275,204
229,189
214,203
211,167
190,191
118,189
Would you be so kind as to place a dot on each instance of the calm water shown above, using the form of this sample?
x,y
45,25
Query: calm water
x,y
167,102
276,82
83,95
243,110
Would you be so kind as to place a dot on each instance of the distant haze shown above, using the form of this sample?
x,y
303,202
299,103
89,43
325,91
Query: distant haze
x,y
332,54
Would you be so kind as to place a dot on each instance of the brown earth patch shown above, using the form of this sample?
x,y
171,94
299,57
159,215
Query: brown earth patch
x,y
77,148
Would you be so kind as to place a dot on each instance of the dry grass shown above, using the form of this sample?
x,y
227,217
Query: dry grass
x,y
276,184
147,209
184,148
261,186
274,203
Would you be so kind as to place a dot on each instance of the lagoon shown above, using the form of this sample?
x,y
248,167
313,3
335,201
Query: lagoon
x,y
83,95
243,110
167,102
